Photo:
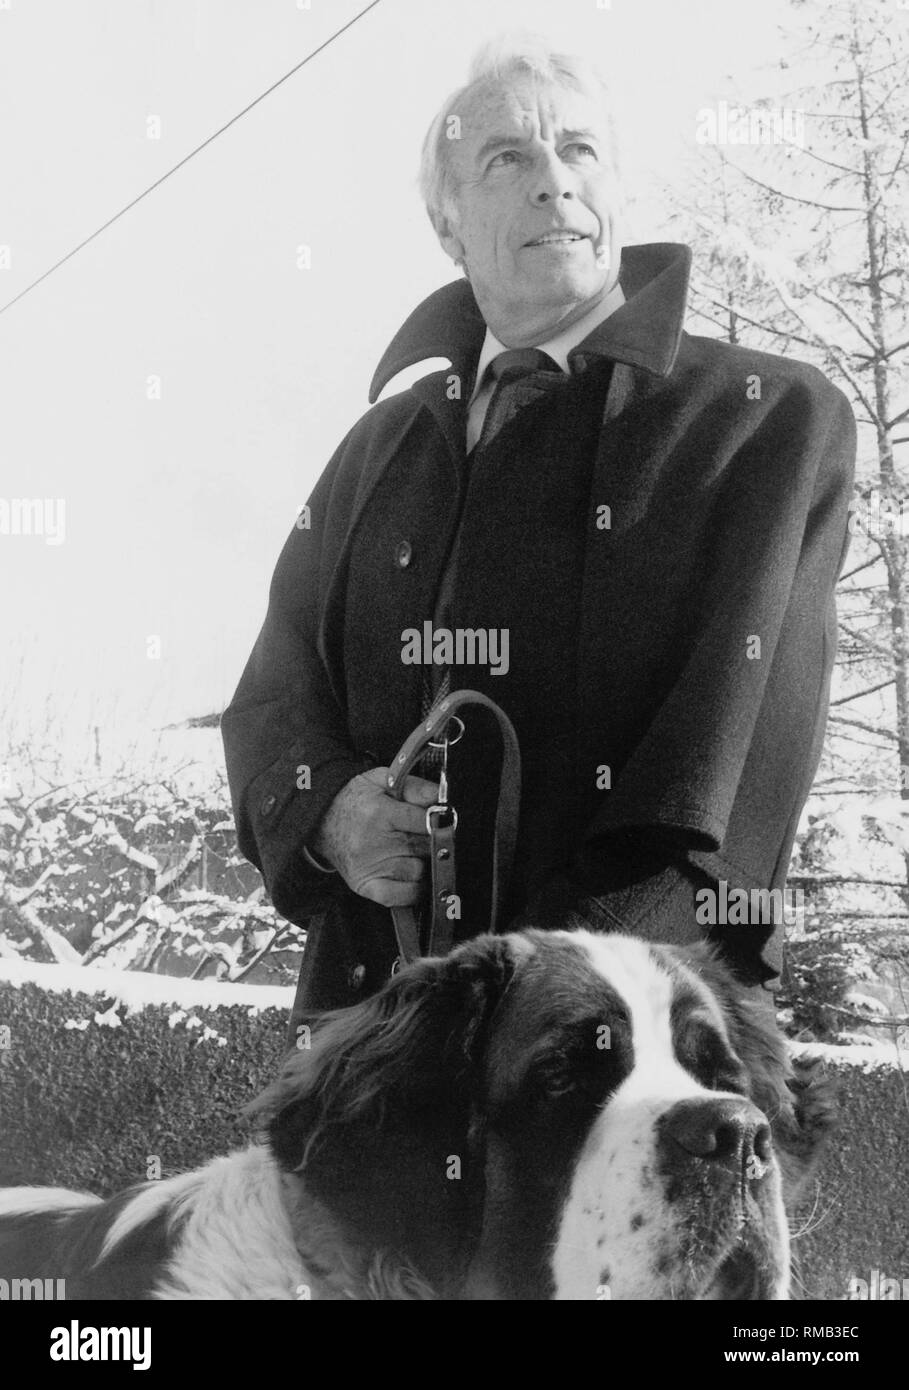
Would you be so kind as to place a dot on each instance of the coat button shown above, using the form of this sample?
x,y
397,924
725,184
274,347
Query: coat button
x,y
268,804
358,977
403,555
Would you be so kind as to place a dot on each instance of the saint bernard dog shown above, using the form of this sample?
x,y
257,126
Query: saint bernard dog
x,y
543,1115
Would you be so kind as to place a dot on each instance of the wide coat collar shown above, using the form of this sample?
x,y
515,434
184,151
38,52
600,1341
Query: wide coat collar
x,y
645,332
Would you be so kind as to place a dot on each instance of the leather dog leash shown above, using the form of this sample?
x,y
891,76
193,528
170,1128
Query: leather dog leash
x,y
442,820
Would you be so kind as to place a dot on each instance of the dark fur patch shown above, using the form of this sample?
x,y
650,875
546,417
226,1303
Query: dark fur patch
x,y
380,1116
548,1078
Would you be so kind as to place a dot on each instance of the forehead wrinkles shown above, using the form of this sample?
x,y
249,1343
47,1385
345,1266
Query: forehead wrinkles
x,y
495,110
525,109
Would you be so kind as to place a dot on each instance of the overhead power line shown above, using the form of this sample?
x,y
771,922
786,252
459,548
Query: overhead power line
x,y
192,154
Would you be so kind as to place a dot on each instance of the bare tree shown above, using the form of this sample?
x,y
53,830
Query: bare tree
x,y
802,248
839,204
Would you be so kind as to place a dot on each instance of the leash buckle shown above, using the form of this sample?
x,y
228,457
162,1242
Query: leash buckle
x,y
441,809
442,806
441,824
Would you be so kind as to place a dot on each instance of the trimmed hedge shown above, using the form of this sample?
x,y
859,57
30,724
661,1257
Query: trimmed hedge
x,y
860,1211
87,1107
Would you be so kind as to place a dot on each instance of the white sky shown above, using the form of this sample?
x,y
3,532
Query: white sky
x,y
176,509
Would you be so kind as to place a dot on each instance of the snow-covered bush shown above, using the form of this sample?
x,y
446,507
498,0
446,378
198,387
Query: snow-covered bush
x,y
143,875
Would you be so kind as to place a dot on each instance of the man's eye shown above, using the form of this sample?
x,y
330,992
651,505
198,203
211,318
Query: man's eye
x,y
504,157
582,149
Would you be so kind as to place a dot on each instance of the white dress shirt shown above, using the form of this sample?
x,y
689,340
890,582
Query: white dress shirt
x,y
558,349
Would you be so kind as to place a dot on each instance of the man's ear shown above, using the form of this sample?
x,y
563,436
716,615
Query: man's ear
x,y
446,230
379,1117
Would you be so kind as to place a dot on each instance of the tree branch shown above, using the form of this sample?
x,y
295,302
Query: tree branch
x,y
792,197
860,695
875,560
839,720
829,880
841,309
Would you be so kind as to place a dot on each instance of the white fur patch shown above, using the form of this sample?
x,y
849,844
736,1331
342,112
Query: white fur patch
x,y
148,1203
236,1242
19,1201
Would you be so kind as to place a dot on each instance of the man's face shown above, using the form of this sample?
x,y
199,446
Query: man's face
x,y
536,198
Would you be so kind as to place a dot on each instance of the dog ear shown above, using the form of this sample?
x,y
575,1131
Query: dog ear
x,y
380,1115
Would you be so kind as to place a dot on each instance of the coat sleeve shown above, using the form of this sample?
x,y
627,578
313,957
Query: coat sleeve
x,y
286,743
785,744
722,774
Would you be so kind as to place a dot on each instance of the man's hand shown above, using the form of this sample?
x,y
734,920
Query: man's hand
x,y
378,845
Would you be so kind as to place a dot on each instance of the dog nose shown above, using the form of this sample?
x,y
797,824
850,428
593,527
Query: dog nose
x,y
728,1130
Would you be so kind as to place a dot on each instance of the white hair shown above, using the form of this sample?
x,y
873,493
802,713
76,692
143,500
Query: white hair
x,y
509,55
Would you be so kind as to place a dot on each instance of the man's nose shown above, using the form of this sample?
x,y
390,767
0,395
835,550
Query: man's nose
x,y
551,179
728,1132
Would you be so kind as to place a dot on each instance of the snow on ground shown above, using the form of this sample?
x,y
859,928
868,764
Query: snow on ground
x,y
136,989
867,1055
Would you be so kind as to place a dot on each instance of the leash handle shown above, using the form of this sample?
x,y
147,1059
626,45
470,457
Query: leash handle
x,y
506,822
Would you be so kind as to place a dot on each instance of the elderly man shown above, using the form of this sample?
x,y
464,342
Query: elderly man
x,y
648,526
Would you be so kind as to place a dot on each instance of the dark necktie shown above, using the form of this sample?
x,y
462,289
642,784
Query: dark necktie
x,y
521,375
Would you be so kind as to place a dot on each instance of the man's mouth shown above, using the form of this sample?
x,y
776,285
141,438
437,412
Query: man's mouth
x,y
556,238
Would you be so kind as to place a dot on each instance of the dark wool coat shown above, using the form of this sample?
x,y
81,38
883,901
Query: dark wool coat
x,y
728,474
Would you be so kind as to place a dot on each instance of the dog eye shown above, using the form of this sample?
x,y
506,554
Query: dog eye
x,y
554,1077
583,1070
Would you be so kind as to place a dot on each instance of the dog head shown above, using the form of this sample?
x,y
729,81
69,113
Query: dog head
x,y
553,1115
